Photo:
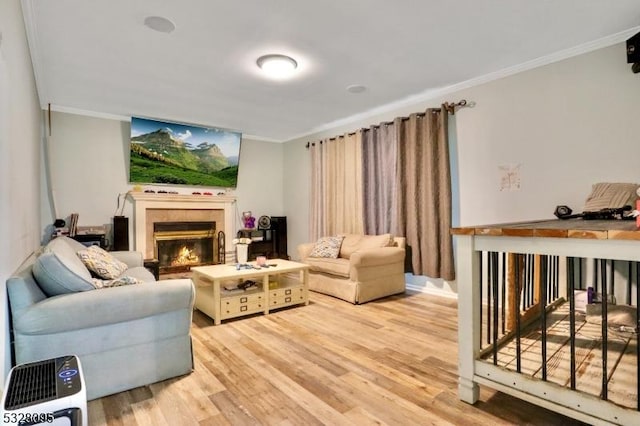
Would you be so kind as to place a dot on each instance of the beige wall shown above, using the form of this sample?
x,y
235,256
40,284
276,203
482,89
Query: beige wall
x,y
20,135
568,124
90,161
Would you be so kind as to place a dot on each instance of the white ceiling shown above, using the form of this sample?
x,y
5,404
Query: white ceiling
x,y
97,56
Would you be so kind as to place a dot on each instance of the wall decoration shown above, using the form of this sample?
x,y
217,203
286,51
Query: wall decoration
x,y
510,177
183,154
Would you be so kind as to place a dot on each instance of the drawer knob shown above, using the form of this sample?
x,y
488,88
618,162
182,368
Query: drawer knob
x,y
243,300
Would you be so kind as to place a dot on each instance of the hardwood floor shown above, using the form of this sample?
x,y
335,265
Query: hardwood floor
x,y
391,361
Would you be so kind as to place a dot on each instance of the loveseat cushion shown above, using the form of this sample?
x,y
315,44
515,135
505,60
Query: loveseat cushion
x,y
327,247
58,270
338,266
354,242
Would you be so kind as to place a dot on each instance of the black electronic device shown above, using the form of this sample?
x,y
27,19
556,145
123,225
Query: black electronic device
x,y
279,228
633,49
633,53
564,212
121,233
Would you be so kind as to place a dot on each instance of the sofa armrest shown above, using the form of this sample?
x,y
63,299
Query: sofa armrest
x,y
304,250
95,308
131,258
376,257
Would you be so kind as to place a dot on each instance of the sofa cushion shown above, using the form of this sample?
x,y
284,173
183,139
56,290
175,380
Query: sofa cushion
x,y
338,266
354,242
101,263
58,270
141,273
327,247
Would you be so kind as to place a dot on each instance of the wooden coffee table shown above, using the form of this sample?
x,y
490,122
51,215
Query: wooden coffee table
x,y
285,284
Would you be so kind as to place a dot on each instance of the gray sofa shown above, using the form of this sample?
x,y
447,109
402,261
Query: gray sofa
x,y
125,336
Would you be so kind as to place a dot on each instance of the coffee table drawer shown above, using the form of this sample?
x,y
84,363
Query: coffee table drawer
x,y
286,296
244,304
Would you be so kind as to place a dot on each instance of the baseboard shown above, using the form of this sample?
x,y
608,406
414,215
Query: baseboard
x,y
432,291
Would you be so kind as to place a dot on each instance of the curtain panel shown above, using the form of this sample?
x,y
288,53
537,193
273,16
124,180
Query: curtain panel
x,y
379,178
424,203
336,186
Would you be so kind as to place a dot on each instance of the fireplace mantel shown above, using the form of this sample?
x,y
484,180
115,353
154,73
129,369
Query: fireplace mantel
x,y
144,202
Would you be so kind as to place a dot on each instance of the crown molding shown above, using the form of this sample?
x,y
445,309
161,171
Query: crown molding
x,y
505,72
88,113
117,117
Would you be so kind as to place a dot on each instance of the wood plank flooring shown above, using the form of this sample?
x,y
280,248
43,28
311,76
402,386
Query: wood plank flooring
x,y
387,362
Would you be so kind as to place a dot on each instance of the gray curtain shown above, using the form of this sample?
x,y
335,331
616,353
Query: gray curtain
x,y
379,157
424,198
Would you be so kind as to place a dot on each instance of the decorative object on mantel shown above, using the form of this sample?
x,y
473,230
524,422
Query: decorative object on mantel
x,y
248,220
242,249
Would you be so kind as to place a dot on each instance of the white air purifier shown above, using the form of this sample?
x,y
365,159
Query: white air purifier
x,y
44,393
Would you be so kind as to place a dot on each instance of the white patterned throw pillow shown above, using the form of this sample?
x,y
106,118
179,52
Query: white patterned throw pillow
x,y
101,263
327,247
120,281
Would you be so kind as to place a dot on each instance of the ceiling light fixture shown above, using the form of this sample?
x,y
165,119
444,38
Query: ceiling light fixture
x,y
277,66
159,24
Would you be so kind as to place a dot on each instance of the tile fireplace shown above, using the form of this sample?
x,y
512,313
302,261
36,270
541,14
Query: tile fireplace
x,y
167,210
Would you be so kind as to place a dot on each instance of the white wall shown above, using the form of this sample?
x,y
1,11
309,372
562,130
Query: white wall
x,y
569,124
20,136
90,163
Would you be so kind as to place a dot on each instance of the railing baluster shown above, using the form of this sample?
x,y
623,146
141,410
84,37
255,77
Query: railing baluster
x,y
531,284
556,283
572,318
518,291
637,339
481,256
604,303
612,286
595,275
504,293
490,273
494,283
580,266
543,316
629,283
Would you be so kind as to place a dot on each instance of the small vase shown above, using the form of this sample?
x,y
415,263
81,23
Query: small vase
x,y
242,253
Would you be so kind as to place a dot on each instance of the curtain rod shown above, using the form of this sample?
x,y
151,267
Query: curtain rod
x,y
450,107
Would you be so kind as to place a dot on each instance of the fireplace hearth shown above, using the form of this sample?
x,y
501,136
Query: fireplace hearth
x,y
178,246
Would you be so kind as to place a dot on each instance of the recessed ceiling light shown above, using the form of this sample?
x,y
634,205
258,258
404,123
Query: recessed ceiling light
x,y
277,66
356,88
159,23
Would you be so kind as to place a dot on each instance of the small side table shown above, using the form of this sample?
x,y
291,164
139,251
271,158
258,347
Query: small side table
x,y
153,265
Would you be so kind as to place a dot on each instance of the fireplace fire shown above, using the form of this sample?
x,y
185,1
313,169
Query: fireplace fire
x,y
180,245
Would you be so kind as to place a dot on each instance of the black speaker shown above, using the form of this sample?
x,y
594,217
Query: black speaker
x,y
633,49
120,233
279,229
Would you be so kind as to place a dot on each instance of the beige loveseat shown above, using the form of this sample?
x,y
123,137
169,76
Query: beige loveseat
x,y
368,267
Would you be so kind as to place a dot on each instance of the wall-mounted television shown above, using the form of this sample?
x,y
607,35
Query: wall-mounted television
x,y
183,154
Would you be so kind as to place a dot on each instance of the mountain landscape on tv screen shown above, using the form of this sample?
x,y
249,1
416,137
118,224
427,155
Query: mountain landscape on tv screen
x,y
163,157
